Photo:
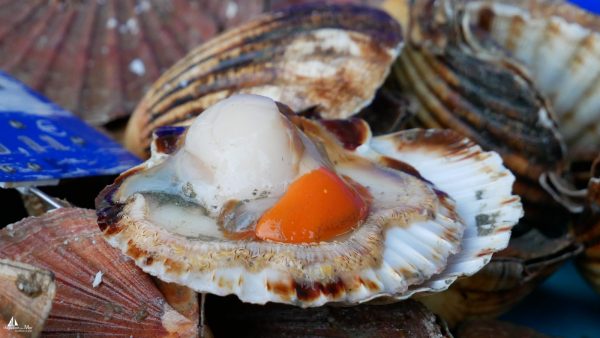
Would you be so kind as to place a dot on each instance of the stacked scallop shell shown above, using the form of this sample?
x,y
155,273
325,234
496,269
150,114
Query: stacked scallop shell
x,y
488,96
559,45
329,59
323,61
313,58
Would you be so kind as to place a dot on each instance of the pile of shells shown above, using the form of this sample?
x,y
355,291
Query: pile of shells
x,y
98,58
487,70
515,81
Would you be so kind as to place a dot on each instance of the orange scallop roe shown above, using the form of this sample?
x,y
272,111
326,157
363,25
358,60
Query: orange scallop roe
x,y
316,207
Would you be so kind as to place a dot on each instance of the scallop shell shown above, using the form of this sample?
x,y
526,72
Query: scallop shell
x,y
418,256
515,272
230,318
559,44
485,100
98,290
329,57
97,58
495,328
26,295
587,227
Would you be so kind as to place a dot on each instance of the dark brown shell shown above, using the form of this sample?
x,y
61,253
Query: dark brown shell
x,y
495,329
26,294
487,101
230,318
587,226
332,58
97,58
532,256
68,243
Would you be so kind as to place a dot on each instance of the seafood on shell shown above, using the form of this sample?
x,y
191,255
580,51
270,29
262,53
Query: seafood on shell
x,y
256,201
331,58
98,290
26,295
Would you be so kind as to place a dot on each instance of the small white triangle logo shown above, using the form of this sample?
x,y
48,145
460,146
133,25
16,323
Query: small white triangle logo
x,y
12,324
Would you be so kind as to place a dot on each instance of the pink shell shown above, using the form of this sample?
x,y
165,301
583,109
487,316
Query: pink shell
x,y
97,58
125,302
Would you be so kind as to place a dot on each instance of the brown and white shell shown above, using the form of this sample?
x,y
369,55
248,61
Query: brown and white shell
x,y
98,290
412,255
26,295
97,58
331,58
484,98
559,45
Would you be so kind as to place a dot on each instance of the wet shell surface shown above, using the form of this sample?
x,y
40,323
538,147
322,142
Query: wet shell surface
x,y
98,290
97,58
331,58
26,295
439,208
559,45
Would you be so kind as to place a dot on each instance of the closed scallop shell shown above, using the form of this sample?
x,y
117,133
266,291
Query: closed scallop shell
x,y
485,100
97,58
328,57
98,290
26,295
559,45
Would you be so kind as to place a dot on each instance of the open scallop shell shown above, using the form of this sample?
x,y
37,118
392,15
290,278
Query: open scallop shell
x,y
329,57
26,295
411,255
559,45
122,300
97,58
